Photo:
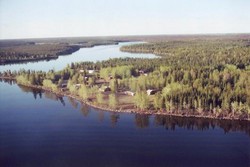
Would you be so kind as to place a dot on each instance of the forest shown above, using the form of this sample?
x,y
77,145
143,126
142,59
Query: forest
x,y
34,52
200,78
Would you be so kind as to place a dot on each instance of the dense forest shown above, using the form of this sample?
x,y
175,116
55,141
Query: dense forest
x,y
198,78
198,52
34,52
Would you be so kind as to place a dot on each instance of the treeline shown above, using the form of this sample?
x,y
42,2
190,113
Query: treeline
x,y
31,52
197,52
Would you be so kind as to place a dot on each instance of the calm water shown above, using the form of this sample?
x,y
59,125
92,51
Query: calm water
x,y
97,53
40,129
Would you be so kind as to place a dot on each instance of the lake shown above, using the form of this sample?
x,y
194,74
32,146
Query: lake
x,y
40,129
97,53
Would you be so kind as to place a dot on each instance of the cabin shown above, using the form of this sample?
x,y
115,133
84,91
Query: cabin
x,y
142,72
130,93
91,71
110,77
77,86
104,89
64,89
64,83
86,78
151,92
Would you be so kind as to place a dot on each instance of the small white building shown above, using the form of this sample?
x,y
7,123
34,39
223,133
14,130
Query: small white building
x,y
77,86
64,85
104,89
141,72
130,93
91,71
151,92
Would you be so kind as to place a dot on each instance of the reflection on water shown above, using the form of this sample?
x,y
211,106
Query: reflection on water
x,y
38,93
73,102
100,115
143,120
170,122
9,81
85,109
114,117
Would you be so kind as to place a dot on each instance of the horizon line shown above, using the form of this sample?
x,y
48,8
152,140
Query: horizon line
x,y
129,35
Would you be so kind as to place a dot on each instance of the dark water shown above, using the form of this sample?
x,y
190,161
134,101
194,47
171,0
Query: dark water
x,y
40,129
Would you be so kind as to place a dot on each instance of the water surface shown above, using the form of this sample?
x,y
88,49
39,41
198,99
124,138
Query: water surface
x,y
97,53
40,129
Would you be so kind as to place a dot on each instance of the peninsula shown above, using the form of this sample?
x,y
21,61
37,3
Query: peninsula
x,y
192,78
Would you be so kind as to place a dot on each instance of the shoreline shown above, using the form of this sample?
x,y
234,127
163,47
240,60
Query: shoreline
x,y
136,111
25,61
132,111
67,50
74,48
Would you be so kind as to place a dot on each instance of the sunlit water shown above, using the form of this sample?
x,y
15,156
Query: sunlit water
x,y
94,54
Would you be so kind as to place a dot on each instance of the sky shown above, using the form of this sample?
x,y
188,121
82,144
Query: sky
x,y
69,18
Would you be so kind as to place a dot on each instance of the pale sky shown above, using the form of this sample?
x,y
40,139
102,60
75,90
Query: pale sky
x,y
68,18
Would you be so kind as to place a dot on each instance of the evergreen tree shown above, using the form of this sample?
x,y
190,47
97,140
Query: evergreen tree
x,y
141,100
113,101
99,98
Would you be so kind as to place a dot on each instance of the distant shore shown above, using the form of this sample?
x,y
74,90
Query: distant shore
x,y
31,52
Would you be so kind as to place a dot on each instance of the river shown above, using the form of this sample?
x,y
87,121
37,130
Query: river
x,y
39,129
